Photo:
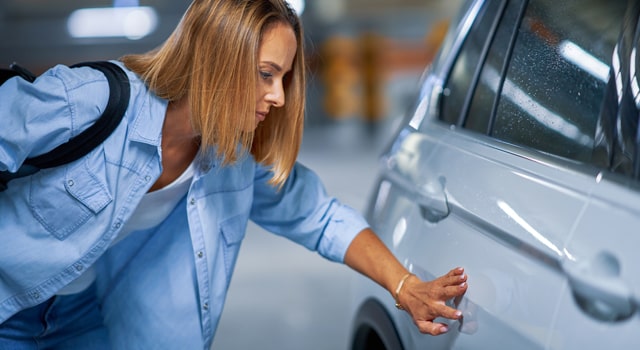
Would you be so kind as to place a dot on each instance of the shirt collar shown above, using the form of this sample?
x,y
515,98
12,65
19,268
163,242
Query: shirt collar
x,y
149,118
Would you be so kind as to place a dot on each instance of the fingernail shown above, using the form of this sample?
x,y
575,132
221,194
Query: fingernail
x,y
444,329
463,276
463,284
458,313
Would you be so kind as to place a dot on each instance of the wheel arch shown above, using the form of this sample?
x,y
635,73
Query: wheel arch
x,y
374,329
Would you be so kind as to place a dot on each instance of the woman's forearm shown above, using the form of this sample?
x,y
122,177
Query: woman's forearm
x,y
368,255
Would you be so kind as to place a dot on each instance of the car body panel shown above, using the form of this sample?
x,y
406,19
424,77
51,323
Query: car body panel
x,y
511,260
603,270
540,228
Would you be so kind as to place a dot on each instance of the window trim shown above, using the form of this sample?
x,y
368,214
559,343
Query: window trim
x,y
505,66
464,112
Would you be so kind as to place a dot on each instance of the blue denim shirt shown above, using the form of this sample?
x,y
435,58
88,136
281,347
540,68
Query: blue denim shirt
x,y
162,288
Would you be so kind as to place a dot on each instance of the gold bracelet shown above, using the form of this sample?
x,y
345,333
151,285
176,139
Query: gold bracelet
x,y
400,284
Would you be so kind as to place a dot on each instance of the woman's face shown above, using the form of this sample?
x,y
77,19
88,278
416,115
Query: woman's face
x,y
275,59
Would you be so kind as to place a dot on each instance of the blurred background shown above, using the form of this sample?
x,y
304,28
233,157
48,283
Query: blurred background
x,y
365,60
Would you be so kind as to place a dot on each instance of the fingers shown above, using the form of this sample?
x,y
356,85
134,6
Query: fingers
x,y
449,312
433,328
455,276
454,290
426,301
456,272
453,284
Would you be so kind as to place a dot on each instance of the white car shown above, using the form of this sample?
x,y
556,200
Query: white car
x,y
520,162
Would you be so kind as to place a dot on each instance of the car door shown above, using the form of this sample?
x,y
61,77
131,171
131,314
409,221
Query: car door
x,y
497,174
600,307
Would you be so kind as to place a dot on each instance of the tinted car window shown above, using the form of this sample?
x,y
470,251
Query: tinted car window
x,y
552,88
463,71
481,108
556,79
617,135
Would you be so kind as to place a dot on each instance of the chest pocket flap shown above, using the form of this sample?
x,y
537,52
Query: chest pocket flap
x,y
64,198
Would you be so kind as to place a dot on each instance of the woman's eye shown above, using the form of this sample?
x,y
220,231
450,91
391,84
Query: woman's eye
x,y
265,75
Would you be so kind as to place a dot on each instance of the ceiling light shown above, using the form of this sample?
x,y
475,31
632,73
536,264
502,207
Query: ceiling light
x,y
297,5
129,22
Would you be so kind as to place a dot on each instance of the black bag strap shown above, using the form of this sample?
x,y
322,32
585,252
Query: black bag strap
x,y
16,70
86,141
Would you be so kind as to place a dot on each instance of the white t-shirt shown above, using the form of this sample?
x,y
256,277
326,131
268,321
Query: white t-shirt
x,y
152,210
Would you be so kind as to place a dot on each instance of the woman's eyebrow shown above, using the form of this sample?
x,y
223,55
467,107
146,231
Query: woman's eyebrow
x,y
274,65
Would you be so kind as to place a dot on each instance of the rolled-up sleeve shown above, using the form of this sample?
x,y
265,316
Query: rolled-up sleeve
x,y
303,212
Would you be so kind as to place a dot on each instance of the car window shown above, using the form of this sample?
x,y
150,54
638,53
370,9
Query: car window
x,y
556,79
480,113
635,89
619,127
463,72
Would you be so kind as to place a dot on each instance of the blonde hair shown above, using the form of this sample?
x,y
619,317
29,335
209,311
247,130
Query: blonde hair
x,y
212,59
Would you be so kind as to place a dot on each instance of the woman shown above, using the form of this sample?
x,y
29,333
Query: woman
x,y
134,245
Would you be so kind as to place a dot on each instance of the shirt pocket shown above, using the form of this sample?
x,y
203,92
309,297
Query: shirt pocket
x,y
64,198
233,231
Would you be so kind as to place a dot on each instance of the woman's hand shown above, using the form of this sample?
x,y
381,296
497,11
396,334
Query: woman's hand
x,y
426,301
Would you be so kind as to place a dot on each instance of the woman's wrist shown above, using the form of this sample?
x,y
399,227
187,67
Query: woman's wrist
x,y
399,288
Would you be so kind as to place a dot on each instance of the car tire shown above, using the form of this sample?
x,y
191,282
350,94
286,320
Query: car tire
x,y
373,329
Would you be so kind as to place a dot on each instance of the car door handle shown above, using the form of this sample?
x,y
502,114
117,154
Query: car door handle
x,y
430,197
598,289
432,200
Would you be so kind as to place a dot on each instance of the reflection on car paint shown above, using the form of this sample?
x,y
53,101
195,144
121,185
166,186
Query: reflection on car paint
x,y
399,231
528,228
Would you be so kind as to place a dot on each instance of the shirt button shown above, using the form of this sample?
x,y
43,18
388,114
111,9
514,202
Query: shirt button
x,y
117,225
79,267
192,201
200,254
147,178
36,295
70,183
205,306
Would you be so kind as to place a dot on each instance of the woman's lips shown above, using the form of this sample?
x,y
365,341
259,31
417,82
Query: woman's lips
x,y
260,116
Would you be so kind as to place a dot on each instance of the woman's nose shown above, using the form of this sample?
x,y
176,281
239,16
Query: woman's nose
x,y
276,96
